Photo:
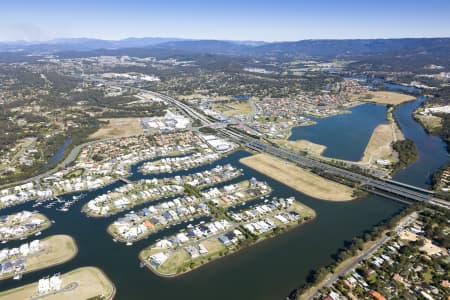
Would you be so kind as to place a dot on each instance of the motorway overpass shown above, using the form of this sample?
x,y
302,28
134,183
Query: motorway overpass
x,y
398,190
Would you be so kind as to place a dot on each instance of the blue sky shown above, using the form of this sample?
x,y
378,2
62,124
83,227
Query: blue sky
x,y
231,19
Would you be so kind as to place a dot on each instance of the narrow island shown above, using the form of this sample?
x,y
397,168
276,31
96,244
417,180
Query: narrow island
x,y
81,283
136,226
298,178
36,255
146,190
229,232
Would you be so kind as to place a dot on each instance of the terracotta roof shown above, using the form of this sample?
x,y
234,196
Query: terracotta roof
x,y
377,295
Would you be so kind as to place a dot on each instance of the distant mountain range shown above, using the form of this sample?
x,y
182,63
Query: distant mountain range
x,y
407,46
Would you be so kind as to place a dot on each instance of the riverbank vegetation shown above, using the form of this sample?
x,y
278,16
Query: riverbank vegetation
x,y
350,249
407,153
438,123
441,183
412,261
46,146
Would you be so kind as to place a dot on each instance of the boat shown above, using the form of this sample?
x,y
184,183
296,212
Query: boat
x,y
4,242
78,197
17,277
38,203
129,244
38,233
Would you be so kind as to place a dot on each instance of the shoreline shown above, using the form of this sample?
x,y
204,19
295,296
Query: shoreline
x,y
266,238
89,282
54,264
298,178
380,144
186,219
47,225
89,214
367,247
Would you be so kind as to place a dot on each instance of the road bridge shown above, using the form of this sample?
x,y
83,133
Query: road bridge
x,y
373,184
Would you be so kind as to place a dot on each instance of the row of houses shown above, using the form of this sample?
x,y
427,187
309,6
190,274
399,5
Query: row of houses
x,y
17,225
193,234
116,157
396,271
172,164
138,225
22,251
14,260
131,194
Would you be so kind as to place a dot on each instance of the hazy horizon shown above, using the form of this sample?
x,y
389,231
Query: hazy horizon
x,y
224,40
224,20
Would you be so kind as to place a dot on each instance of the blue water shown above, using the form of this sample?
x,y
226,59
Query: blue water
x,y
59,154
403,88
432,149
266,271
345,135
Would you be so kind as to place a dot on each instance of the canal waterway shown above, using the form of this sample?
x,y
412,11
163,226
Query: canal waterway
x,y
268,270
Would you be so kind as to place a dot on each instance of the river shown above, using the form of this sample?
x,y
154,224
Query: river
x,y
59,154
268,270
432,149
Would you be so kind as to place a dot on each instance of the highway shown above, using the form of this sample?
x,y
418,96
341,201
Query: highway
x,y
395,188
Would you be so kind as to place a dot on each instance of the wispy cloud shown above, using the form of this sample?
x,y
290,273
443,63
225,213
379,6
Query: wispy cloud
x,y
22,31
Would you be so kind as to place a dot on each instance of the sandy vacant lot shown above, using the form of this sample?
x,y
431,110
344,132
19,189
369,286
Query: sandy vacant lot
x,y
91,282
298,178
119,127
389,98
238,108
429,248
380,143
